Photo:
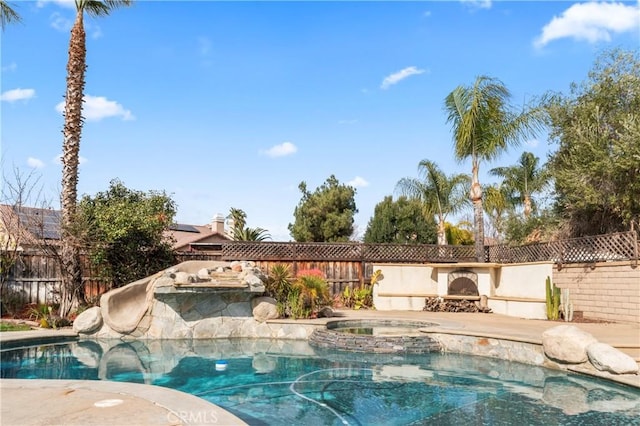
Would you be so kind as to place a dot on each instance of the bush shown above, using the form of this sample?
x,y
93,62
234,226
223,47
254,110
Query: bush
x,y
299,297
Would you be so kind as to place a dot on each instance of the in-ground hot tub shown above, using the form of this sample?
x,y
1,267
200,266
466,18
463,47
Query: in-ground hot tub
x,y
375,336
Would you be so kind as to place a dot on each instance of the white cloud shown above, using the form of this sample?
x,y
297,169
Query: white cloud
x,y
10,68
58,159
591,21
285,148
396,77
426,14
96,108
60,23
478,4
532,143
35,163
94,30
358,182
69,4
17,95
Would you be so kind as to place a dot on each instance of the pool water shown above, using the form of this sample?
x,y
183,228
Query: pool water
x,y
269,382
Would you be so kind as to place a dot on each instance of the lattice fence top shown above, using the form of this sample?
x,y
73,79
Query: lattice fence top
x,y
598,248
619,246
242,250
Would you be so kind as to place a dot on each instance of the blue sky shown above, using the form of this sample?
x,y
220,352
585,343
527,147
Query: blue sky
x,y
233,104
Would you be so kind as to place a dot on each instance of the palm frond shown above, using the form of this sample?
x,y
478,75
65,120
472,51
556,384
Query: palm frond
x,y
8,14
99,8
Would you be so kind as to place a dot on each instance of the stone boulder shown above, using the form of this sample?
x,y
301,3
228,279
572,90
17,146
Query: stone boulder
x,y
607,358
264,308
567,344
88,321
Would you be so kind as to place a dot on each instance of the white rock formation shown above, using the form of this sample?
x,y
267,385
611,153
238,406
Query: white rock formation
x,y
607,358
567,344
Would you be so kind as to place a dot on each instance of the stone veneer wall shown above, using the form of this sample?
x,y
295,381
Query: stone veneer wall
x,y
608,291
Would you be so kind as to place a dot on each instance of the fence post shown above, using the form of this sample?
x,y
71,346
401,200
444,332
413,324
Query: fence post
x,y
634,241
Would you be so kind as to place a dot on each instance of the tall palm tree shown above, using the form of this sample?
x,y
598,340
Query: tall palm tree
x,y
522,180
7,14
439,194
238,219
484,126
72,289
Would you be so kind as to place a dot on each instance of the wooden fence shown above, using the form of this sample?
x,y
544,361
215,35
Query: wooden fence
x,y
36,277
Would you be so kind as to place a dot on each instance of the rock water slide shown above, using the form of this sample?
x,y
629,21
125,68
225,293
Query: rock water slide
x,y
127,310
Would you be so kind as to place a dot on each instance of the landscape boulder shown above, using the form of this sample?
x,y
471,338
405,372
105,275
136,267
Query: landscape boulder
x,y
88,321
264,308
567,344
607,358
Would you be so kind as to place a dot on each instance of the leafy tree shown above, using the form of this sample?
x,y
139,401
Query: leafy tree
x,y
497,207
523,180
125,230
401,221
7,14
459,235
326,215
484,125
438,193
72,288
597,164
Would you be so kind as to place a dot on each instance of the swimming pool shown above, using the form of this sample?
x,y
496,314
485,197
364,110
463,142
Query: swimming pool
x,y
274,382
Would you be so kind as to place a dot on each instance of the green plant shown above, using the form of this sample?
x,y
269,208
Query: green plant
x,y
279,282
552,300
566,306
314,292
41,313
361,297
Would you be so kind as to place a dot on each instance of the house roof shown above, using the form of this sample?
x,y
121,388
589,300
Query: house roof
x,y
30,224
187,235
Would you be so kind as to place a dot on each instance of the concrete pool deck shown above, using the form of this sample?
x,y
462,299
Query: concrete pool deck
x,y
76,402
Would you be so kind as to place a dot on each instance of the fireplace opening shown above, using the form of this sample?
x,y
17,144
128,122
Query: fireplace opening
x,y
463,283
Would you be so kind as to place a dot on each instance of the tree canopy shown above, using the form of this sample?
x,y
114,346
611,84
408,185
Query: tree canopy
x,y
325,215
125,230
438,193
522,181
401,221
597,164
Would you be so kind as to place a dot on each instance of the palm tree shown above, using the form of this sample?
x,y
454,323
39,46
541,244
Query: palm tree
x,y
522,180
251,234
237,220
483,127
439,194
7,14
72,289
